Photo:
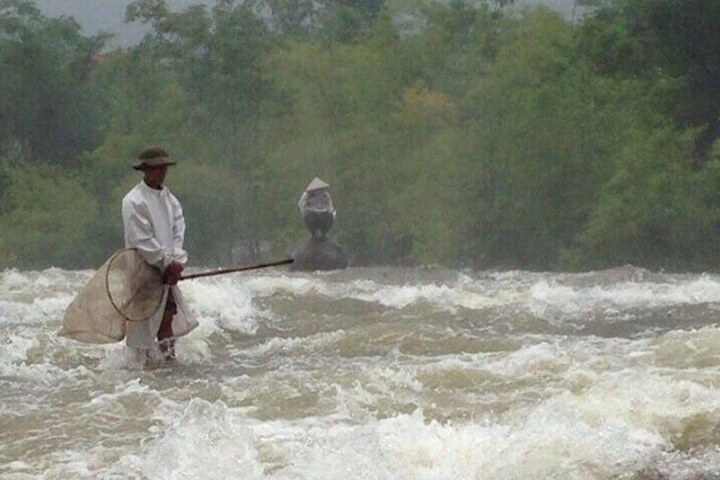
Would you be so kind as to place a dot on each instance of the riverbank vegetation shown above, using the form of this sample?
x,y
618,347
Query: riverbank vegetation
x,y
462,133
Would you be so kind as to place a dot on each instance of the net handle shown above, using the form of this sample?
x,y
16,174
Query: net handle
x,y
243,268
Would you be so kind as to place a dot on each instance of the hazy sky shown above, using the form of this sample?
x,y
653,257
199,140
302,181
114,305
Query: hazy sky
x,y
108,15
105,15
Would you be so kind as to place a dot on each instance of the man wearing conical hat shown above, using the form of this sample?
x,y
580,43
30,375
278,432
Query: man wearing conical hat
x,y
154,225
317,209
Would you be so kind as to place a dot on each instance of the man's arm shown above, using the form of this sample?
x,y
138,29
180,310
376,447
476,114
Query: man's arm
x,y
179,254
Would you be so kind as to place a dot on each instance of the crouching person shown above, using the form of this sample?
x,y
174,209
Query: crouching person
x,y
317,209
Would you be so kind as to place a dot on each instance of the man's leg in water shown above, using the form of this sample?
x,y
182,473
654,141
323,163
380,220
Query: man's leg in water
x,y
165,337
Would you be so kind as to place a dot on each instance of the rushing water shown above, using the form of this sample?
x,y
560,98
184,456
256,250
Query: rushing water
x,y
377,373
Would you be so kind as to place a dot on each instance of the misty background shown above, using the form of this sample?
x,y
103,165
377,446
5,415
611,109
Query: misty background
x,y
105,15
109,15
468,134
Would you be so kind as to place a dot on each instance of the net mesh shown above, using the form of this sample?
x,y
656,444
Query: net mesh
x,y
125,288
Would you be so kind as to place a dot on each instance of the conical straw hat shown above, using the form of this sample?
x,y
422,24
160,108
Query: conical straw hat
x,y
316,184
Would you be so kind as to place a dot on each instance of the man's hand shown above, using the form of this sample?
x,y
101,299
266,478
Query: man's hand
x,y
173,273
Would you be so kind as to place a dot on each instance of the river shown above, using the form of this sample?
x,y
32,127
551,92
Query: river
x,y
375,373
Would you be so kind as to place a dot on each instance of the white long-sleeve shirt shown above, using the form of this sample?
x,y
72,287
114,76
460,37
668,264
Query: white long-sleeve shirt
x,y
155,225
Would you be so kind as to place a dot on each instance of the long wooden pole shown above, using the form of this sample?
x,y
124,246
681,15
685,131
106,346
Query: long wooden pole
x,y
220,271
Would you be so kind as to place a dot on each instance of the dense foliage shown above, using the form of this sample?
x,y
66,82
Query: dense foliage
x,y
452,133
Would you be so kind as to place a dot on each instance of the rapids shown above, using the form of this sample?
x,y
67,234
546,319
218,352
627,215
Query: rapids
x,y
375,373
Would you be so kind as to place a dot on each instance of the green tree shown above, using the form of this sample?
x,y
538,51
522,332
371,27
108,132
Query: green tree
x,y
48,112
679,40
536,149
47,219
217,57
656,210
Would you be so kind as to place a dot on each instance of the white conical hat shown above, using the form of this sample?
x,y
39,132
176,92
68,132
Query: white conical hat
x,y
316,184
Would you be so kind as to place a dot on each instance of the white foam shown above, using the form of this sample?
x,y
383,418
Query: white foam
x,y
462,293
207,442
620,425
570,407
579,300
541,293
15,348
297,345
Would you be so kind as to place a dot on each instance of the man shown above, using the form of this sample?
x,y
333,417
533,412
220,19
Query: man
x,y
317,208
154,225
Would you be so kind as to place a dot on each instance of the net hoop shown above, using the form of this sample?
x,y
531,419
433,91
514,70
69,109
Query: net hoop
x,y
113,302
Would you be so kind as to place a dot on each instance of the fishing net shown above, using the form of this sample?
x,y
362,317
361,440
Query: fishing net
x,y
125,288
